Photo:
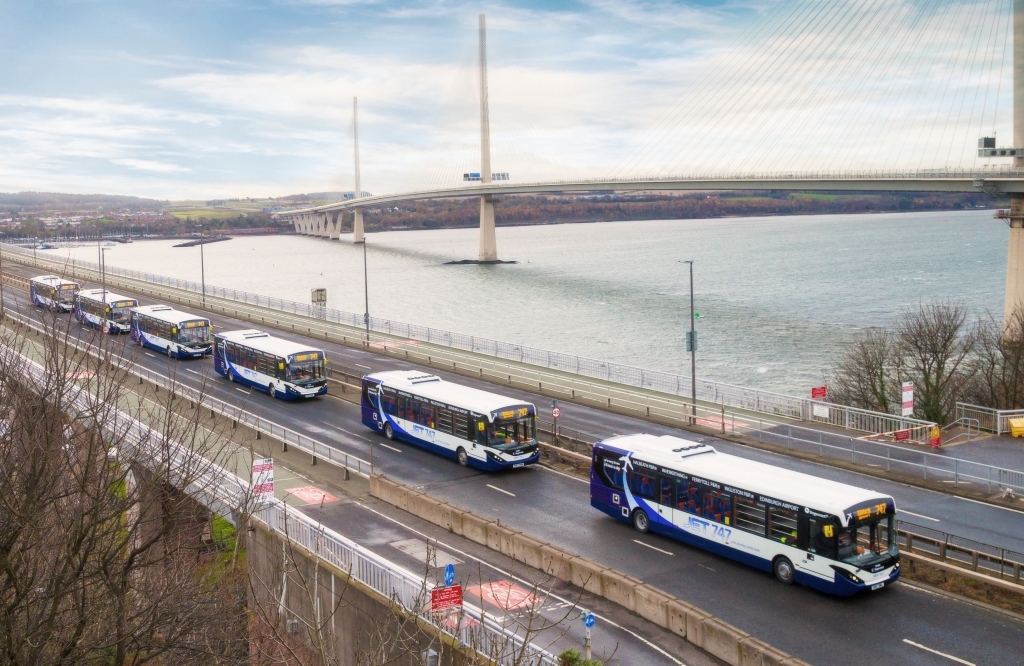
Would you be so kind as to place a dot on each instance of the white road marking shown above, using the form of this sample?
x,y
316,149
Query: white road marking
x,y
419,549
704,567
652,547
501,490
996,506
911,513
568,476
194,372
365,367
396,450
242,390
512,576
941,654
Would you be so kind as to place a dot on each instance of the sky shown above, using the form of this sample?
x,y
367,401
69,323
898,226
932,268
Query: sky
x,y
221,99
179,99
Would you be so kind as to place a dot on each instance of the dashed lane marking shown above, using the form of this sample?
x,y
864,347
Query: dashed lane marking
x,y
386,446
242,390
1004,508
501,490
647,545
941,654
917,515
194,372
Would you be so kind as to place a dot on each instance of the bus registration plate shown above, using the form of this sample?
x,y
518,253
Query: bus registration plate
x,y
877,586
519,465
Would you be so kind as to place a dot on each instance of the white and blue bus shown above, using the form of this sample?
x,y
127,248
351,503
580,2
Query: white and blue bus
x,y
173,332
827,535
111,313
53,292
474,427
282,368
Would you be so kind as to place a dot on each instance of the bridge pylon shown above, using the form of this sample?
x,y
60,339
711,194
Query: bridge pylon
x,y
1015,251
488,243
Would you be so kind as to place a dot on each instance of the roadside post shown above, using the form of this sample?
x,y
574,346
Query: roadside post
x,y
555,413
447,600
588,622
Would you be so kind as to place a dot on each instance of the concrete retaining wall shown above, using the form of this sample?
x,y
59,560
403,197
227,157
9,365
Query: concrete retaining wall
x,y
707,632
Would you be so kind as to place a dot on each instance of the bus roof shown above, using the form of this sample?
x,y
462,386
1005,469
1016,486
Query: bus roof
x,y
52,280
705,461
433,387
168,314
264,342
97,295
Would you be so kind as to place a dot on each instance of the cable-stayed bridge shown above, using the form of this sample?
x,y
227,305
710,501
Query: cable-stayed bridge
x,y
796,77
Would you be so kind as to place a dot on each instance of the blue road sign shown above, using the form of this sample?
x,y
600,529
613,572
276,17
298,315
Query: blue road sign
x,y
589,620
449,574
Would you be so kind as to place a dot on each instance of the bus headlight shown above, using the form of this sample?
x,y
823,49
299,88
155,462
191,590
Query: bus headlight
x,y
848,575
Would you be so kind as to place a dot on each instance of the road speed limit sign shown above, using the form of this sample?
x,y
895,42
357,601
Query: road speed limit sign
x,y
556,412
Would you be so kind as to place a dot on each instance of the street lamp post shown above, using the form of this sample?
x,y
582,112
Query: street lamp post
x,y
366,295
202,264
692,347
103,281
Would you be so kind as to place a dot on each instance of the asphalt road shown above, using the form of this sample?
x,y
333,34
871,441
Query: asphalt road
x,y
896,624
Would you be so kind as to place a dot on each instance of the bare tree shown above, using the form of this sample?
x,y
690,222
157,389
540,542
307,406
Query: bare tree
x,y
102,556
997,367
935,346
867,375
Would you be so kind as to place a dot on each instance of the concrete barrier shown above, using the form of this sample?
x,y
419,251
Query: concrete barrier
x,y
718,638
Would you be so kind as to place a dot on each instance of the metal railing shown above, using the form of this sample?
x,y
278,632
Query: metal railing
x,y
564,366
993,420
483,633
909,462
287,436
228,495
974,555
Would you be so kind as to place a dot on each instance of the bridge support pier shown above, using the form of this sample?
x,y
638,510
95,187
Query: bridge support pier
x,y
357,227
334,226
488,243
1015,259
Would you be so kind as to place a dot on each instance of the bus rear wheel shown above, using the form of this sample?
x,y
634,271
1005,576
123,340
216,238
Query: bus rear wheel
x,y
271,391
389,432
462,457
641,522
783,570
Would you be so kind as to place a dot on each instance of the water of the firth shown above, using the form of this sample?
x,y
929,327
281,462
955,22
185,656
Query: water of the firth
x,y
778,296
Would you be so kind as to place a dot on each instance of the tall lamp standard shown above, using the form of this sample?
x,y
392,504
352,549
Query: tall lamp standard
x,y
103,282
691,346
366,294
202,263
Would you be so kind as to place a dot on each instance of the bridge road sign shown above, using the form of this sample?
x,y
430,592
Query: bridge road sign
x,y
588,621
446,598
555,412
262,481
449,574
908,399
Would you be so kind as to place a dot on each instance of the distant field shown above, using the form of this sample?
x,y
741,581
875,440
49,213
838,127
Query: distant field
x,y
208,213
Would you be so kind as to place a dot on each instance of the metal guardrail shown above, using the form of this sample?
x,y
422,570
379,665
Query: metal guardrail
x,y
976,556
482,633
926,465
993,420
286,436
226,494
564,366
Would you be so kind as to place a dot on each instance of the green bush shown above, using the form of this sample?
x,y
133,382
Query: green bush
x,y
573,657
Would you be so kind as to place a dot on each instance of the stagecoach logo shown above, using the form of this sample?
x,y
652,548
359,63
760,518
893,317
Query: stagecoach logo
x,y
816,514
876,568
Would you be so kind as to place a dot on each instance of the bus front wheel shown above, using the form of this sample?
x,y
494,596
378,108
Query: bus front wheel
x,y
462,457
641,522
784,570
389,432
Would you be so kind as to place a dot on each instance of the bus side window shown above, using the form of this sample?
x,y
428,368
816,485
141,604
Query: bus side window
x,y
821,537
666,491
718,507
610,470
642,485
782,525
751,515
688,497
461,422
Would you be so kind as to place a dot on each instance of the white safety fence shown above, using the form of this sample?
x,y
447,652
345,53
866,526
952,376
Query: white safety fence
x,y
993,420
564,370
229,496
